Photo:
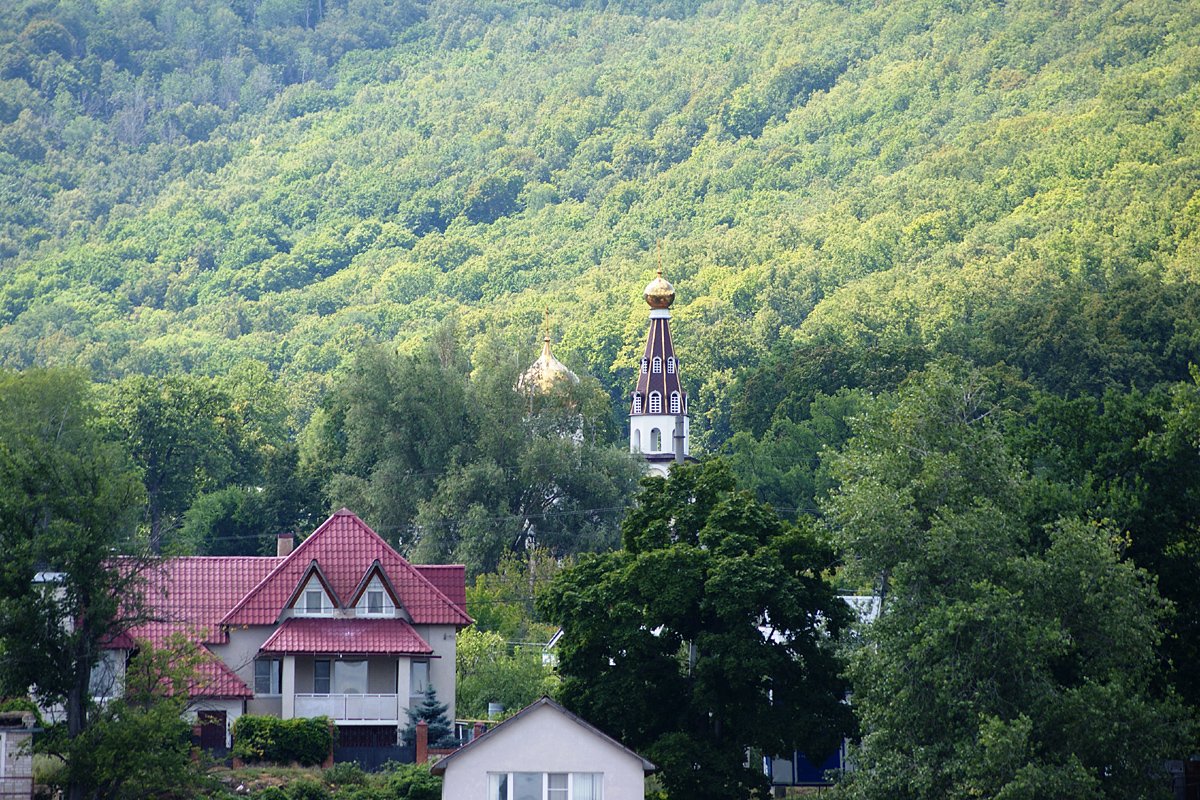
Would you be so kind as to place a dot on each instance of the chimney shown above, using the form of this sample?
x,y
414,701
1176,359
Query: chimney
x,y
284,544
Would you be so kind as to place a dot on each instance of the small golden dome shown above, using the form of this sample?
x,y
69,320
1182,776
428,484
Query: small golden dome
x,y
659,292
544,373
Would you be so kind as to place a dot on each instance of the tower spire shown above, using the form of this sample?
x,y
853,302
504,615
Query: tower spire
x,y
658,414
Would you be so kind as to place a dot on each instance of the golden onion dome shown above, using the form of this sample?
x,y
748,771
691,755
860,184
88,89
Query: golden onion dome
x,y
659,292
544,373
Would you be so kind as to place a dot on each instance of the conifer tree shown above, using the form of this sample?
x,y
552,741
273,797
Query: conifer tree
x,y
433,713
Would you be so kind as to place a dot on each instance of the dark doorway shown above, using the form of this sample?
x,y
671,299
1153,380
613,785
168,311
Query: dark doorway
x,y
212,731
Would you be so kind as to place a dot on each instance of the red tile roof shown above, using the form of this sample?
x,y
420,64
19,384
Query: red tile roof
x,y
195,599
345,547
357,636
451,579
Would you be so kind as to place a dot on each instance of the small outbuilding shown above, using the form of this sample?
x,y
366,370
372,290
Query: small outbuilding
x,y
544,752
16,757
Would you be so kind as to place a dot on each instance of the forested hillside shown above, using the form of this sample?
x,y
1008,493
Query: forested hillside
x,y
844,188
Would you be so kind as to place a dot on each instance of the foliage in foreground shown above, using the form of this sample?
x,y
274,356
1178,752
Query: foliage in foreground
x,y
1015,655
304,741
715,624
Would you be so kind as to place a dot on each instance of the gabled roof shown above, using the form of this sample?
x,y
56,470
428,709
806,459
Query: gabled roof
x,y
500,730
351,636
345,547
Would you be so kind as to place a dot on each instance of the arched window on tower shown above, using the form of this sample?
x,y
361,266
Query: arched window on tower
x,y
655,440
671,365
637,440
658,364
637,402
655,403
675,402
645,365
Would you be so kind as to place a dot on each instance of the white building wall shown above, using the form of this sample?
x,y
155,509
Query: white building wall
x,y
544,741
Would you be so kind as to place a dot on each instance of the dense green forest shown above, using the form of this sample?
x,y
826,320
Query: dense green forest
x,y
840,189
300,250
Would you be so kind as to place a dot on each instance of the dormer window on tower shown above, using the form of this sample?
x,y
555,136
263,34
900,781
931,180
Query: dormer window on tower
x,y
645,365
657,365
675,402
671,365
655,403
637,402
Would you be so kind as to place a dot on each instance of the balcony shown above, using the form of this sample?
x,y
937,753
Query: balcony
x,y
349,708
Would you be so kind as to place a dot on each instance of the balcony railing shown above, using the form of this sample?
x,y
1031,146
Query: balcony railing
x,y
348,707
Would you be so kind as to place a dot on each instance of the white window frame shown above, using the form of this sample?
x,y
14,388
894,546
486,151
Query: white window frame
x,y
637,402
657,368
671,365
655,403
494,779
645,366
676,405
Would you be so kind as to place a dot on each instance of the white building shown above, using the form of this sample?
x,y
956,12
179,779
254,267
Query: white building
x,y
544,752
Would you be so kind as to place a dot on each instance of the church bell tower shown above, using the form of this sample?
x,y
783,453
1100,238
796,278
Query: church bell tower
x,y
658,414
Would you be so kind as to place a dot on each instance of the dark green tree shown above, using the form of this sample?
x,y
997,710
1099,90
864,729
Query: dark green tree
x,y
69,504
1015,653
433,714
715,624
184,438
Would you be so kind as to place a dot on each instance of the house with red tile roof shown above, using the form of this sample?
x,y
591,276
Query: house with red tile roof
x,y
342,626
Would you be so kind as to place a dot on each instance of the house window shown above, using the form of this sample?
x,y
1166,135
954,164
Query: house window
x,y
104,678
321,676
350,677
645,365
655,403
545,786
658,364
418,678
267,675
674,402
314,602
671,365
637,403
375,601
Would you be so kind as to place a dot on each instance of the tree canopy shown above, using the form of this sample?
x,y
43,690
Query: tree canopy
x,y
711,632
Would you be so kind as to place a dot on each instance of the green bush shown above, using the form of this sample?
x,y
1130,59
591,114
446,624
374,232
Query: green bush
x,y
307,789
303,741
270,793
414,782
346,773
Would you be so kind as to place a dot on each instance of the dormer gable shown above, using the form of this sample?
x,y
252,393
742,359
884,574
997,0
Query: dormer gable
x,y
345,547
313,597
376,597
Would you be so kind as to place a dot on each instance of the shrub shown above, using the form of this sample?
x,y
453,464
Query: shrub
x,y
304,741
270,793
307,789
346,773
414,782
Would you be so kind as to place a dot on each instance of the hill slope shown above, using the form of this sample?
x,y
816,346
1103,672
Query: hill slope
x,y
882,182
